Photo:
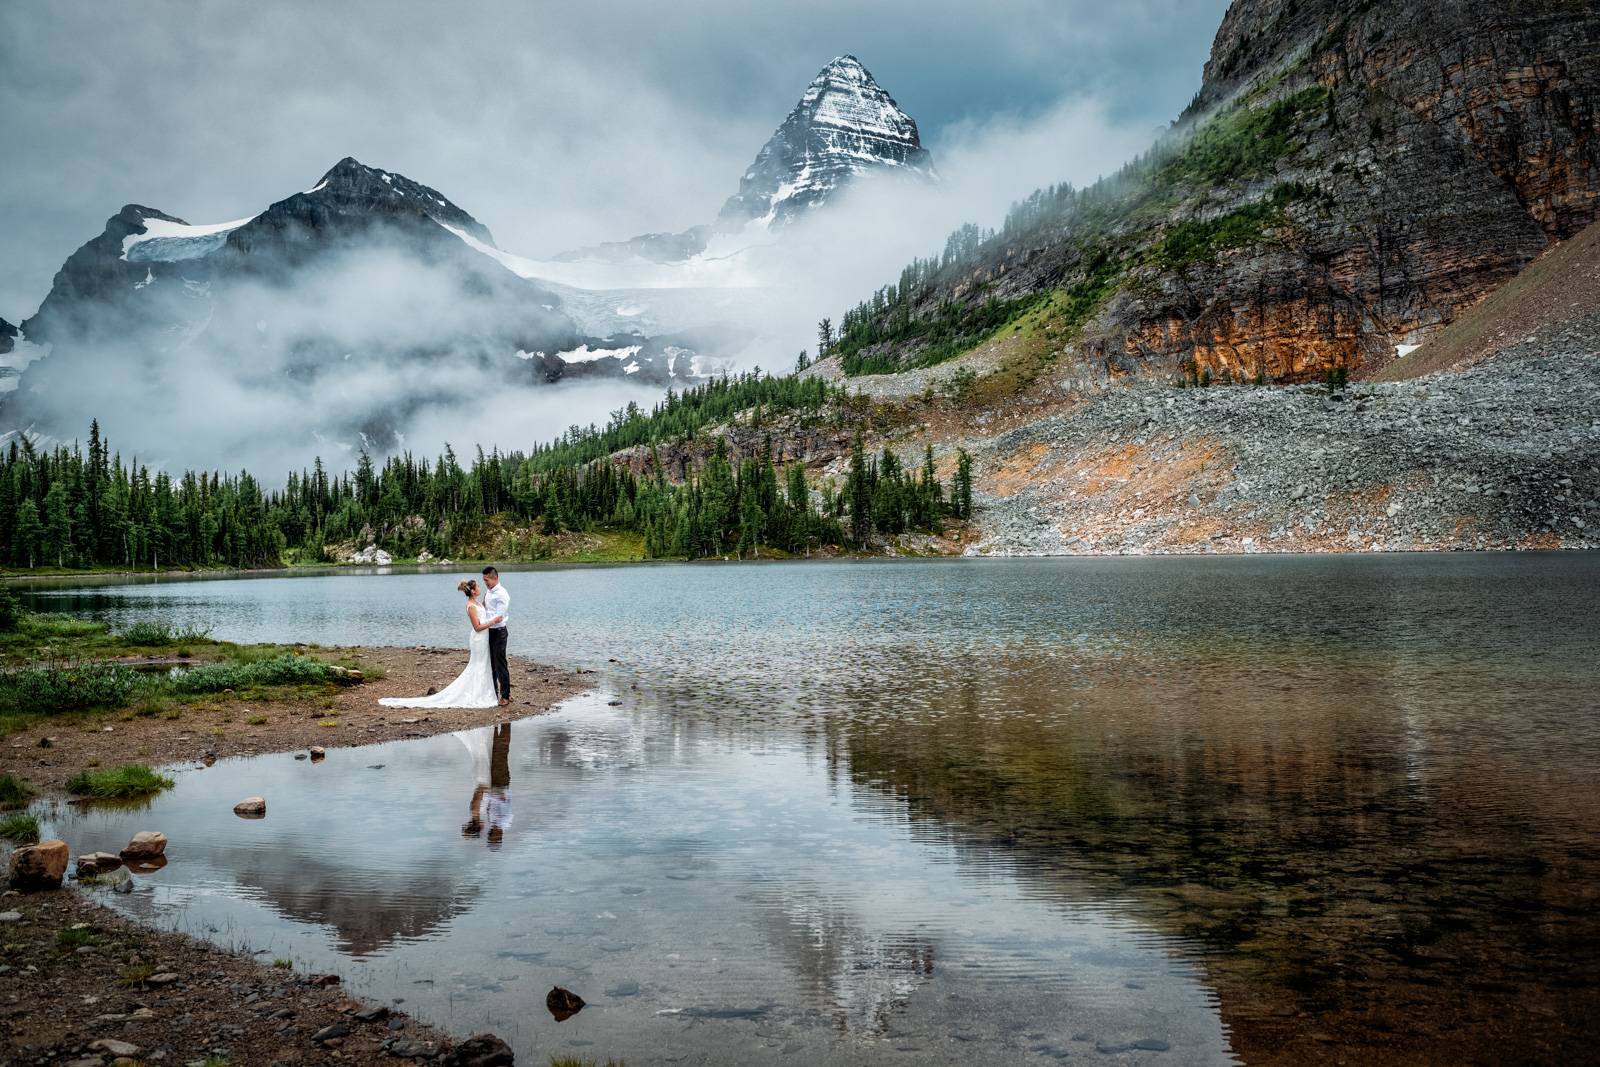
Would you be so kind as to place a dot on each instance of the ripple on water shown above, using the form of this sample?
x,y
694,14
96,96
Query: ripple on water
x,y
1150,810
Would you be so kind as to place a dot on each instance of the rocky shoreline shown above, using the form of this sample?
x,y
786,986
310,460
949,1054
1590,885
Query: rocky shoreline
x,y
88,987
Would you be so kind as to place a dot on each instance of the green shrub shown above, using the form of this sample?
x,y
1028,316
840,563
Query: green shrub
x,y
160,633
48,690
14,792
10,611
74,938
287,669
133,975
20,826
118,783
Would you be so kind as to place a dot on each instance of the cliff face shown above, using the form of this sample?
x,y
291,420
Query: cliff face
x,y
1349,178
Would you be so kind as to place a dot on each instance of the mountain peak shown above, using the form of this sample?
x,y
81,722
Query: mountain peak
x,y
844,125
353,185
846,66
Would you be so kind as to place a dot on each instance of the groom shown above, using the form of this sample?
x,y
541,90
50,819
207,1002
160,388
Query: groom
x,y
498,602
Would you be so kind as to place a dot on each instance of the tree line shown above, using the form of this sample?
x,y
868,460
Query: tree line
x,y
73,508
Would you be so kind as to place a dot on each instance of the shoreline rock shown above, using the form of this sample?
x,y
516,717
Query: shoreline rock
x,y
39,866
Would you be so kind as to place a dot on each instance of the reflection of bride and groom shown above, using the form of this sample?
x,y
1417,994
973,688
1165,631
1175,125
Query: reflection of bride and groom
x,y
484,683
490,809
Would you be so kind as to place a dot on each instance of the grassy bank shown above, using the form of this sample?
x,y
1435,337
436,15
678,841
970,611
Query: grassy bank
x,y
78,673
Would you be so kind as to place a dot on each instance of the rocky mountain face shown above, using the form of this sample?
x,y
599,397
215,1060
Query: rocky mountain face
x,y
1349,178
845,125
365,274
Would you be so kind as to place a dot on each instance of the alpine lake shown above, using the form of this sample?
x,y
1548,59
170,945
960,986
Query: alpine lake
x,y
1119,810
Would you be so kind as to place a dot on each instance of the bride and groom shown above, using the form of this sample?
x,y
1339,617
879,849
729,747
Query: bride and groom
x,y
486,681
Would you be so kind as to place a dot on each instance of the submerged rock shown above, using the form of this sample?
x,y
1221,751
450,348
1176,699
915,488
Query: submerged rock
x,y
40,866
563,1003
97,863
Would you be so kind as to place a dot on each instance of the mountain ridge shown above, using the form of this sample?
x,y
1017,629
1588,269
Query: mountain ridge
x,y
367,273
1348,179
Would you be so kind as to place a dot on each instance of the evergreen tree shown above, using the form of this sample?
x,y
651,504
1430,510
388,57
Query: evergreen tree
x,y
29,533
961,496
858,493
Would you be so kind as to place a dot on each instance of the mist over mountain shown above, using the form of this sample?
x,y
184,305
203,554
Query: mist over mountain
x,y
344,316
371,311
845,126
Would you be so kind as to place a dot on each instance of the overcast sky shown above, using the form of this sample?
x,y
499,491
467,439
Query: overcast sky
x,y
554,124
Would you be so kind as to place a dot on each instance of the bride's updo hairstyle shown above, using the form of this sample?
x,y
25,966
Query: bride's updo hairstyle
x,y
467,587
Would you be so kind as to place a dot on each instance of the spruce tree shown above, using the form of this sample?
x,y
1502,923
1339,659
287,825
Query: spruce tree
x,y
961,494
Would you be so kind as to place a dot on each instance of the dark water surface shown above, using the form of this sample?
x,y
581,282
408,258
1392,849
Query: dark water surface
x,y
1171,811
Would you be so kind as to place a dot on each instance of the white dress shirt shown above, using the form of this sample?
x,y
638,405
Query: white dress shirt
x,y
497,601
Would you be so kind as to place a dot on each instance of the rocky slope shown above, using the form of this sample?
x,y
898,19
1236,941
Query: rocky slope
x,y
1349,178
845,125
1506,455
1486,437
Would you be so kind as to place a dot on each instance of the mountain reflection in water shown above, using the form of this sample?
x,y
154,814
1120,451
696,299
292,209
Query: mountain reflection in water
x,y
1192,811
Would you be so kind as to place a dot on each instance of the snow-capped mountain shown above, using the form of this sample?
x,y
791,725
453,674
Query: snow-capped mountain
x,y
844,126
370,293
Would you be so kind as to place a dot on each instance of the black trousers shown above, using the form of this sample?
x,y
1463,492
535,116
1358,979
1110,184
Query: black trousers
x,y
497,662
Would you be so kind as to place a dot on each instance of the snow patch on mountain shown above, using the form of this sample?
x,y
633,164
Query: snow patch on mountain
x,y
585,354
165,241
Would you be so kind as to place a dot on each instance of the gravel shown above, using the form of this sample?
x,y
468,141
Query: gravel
x,y
1505,455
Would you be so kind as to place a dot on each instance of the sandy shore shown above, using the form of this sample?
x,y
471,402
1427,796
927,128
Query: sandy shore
x,y
81,984
55,749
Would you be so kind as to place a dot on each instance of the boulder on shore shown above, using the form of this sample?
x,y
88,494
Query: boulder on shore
x,y
251,808
346,675
480,1050
40,866
371,554
145,846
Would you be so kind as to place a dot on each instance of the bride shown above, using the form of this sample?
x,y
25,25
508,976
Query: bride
x,y
474,687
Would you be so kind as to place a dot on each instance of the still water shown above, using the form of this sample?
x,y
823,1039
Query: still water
x,y
1129,810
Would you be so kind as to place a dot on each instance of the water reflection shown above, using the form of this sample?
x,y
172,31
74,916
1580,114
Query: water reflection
x,y
1171,811
491,792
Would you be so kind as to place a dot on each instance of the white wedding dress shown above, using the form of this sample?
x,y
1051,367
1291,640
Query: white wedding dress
x,y
473,687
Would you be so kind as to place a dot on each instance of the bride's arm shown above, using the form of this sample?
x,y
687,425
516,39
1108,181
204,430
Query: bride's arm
x,y
472,617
